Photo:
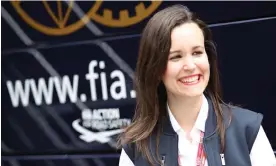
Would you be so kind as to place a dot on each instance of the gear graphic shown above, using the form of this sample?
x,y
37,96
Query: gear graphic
x,y
62,28
124,20
61,19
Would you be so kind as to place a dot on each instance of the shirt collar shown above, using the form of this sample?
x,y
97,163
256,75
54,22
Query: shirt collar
x,y
200,121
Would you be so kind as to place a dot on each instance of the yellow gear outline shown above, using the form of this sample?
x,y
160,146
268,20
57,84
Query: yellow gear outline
x,y
124,19
106,19
56,31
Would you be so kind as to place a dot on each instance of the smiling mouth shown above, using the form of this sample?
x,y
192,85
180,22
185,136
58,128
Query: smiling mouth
x,y
191,80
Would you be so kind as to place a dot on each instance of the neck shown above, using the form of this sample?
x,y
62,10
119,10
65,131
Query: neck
x,y
185,110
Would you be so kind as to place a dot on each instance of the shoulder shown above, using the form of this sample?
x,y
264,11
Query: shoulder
x,y
129,150
242,116
125,159
244,121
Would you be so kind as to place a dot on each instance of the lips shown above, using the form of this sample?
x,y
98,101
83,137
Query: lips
x,y
193,79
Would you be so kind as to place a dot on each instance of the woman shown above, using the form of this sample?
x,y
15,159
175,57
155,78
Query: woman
x,y
180,118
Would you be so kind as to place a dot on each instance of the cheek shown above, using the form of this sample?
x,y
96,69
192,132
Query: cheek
x,y
172,70
204,65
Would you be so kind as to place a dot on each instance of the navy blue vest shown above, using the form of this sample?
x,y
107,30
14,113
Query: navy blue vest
x,y
240,136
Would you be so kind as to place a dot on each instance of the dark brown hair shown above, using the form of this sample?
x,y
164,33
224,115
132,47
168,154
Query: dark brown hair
x,y
150,91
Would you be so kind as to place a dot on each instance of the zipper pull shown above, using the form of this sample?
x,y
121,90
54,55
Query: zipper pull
x,y
222,159
163,160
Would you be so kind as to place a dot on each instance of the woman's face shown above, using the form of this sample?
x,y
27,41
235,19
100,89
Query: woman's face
x,y
188,70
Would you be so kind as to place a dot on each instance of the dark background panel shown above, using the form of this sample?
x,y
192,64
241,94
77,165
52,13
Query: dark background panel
x,y
247,68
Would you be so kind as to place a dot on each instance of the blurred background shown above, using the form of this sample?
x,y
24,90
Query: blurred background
x,y
67,73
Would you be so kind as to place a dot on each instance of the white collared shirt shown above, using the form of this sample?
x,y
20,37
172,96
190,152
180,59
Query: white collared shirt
x,y
188,143
261,152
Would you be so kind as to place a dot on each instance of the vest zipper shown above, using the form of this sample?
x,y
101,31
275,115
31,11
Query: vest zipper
x,y
222,159
163,160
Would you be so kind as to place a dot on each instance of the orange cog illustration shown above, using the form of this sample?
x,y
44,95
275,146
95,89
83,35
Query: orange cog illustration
x,y
61,19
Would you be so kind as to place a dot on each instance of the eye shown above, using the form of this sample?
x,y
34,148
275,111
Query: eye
x,y
175,57
197,53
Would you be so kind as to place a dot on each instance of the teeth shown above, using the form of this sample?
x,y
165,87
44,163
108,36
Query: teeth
x,y
190,79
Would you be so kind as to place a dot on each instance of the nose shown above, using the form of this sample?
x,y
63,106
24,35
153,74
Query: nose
x,y
189,64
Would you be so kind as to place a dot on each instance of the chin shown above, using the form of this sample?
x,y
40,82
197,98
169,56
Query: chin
x,y
192,93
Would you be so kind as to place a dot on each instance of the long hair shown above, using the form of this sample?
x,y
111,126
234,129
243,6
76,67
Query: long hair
x,y
150,91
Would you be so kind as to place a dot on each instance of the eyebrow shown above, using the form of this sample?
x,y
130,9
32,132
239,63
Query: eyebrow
x,y
178,51
195,47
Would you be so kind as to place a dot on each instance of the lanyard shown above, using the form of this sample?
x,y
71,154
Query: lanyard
x,y
201,157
